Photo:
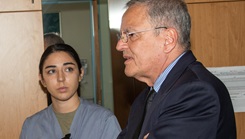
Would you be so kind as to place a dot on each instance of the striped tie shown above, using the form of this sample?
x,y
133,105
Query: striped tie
x,y
149,99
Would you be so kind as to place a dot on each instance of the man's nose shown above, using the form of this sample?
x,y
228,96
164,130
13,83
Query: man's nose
x,y
121,45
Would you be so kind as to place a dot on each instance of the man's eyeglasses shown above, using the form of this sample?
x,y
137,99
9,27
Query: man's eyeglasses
x,y
132,35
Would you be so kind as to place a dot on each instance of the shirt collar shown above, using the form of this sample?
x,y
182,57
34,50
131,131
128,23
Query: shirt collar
x,y
165,73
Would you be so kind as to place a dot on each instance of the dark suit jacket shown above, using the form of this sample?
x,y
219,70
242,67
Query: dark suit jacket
x,y
191,104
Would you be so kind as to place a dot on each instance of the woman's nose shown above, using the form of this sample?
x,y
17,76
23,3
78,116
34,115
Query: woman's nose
x,y
61,76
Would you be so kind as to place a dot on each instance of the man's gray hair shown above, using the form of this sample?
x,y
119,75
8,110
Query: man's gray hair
x,y
169,13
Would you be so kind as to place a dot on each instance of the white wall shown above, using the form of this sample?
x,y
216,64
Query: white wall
x,y
75,28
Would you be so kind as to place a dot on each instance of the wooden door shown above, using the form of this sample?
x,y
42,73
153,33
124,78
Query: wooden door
x,y
21,46
217,37
20,5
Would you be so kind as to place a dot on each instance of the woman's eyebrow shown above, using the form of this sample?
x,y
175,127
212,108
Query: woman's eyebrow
x,y
69,63
51,66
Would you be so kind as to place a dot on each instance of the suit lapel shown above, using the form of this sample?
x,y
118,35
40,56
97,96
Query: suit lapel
x,y
167,85
136,114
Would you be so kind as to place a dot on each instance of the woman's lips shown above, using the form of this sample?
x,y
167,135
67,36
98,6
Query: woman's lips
x,y
62,89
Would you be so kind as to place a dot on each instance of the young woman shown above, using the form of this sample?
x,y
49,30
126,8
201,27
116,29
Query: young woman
x,y
68,116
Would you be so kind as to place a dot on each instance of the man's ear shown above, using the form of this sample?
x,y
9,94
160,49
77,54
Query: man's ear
x,y
171,37
41,80
81,74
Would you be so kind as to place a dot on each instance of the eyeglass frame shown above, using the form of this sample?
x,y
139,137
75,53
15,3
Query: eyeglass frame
x,y
121,37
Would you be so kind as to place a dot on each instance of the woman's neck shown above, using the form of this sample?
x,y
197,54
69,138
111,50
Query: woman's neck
x,y
66,106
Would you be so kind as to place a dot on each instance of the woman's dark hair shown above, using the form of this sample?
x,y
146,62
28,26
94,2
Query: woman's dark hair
x,y
59,48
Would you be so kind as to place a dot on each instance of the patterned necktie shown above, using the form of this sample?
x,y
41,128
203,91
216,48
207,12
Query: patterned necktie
x,y
149,99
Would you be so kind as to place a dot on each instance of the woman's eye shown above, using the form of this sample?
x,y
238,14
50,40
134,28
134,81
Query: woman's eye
x,y
69,69
51,71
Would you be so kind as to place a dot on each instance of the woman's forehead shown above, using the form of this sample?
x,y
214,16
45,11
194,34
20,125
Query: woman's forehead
x,y
59,56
